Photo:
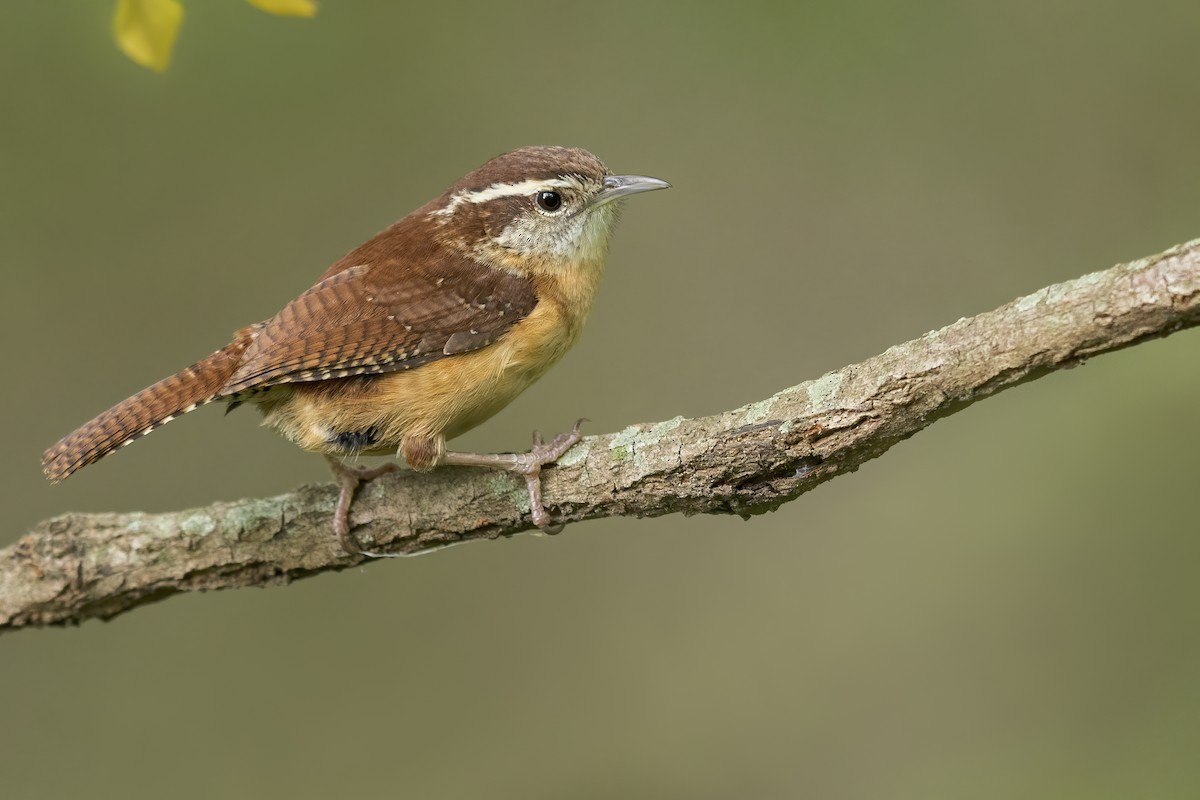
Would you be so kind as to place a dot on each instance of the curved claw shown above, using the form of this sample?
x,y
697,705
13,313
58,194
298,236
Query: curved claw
x,y
560,444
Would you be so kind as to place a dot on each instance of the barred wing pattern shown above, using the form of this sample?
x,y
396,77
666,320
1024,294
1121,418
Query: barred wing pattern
x,y
370,318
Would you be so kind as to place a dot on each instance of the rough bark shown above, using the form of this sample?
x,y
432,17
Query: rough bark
x,y
746,461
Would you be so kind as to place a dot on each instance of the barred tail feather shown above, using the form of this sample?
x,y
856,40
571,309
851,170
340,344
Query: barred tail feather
x,y
136,416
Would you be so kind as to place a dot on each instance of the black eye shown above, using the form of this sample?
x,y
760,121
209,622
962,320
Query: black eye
x,y
549,201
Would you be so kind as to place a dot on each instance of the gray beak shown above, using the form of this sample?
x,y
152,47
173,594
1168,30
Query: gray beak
x,y
616,186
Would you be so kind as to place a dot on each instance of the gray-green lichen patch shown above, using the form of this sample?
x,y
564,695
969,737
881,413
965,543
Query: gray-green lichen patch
x,y
198,525
262,517
623,439
823,392
631,443
1031,301
575,455
755,413
504,485
638,436
249,513
661,429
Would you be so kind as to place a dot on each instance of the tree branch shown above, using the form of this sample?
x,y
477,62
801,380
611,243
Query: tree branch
x,y
746,461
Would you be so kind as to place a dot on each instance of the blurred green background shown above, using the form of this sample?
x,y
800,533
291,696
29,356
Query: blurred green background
x,y
1004,606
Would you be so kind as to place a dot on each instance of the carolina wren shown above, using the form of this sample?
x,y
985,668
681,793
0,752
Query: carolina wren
x,y
416,336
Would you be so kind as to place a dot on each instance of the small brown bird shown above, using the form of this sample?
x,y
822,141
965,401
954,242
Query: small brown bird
x,y
416,336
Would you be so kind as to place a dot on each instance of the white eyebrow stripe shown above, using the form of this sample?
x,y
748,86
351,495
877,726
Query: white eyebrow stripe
x,y
498,190
509,189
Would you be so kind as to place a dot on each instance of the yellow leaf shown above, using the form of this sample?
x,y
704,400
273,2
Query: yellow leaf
x,y
146,29
287,8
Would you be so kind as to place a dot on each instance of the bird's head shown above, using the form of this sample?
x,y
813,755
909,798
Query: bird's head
x,y
537,209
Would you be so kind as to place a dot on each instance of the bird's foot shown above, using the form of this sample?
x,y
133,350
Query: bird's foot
x,y
348,480
540,455
529,465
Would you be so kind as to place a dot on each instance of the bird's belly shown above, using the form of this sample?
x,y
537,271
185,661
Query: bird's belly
x,y
375,414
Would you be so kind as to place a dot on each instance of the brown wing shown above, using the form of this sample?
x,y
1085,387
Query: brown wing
x,y
383,317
